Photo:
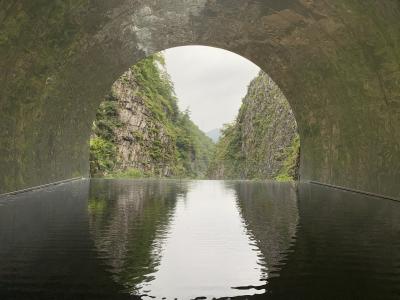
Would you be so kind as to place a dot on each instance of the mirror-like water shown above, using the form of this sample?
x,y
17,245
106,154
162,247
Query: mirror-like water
x,y
195,239
122,239
206,252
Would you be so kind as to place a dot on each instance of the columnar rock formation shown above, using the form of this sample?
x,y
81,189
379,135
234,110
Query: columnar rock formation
x,y
263,142
139,130
133,134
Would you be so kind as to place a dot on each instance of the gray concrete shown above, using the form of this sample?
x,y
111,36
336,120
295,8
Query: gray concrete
x,y
338,63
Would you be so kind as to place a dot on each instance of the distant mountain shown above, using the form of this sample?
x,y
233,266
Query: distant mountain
x,y
214,134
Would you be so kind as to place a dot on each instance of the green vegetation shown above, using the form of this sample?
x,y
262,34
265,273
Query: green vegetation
x,y
291,164
169,145
227,158
102,155
157,89
262,143
194,148
128,173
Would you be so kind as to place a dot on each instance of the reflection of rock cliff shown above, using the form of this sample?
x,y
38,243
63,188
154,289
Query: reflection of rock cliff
x,y
271,215
139,129
263,142
128,222
346,243
45,247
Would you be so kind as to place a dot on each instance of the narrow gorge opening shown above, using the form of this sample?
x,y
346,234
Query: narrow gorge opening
x,y
157,124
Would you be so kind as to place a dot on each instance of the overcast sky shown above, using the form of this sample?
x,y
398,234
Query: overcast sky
x,y
210,81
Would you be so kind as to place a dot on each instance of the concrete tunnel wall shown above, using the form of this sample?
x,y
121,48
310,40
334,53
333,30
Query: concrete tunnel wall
x,y
337,63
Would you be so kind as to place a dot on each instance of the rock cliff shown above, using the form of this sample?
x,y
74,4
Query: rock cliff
x,y
139,130
263,142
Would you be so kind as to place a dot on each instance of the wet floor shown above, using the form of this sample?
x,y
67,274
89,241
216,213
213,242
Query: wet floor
x,y
154,239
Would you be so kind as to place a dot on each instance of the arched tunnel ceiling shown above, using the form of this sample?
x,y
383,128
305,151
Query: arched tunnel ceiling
x,y
338,63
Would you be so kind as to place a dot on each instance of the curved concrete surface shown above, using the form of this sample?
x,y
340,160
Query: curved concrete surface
x,y
338,64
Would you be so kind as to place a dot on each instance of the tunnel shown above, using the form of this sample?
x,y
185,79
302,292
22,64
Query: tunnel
x,y
338,63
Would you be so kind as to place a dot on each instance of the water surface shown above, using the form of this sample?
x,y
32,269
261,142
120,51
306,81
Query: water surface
x,y
123,239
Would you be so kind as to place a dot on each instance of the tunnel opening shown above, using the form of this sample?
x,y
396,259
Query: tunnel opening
x,y
142,128
337,64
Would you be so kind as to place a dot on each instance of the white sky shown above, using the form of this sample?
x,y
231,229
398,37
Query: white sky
x,y
210,81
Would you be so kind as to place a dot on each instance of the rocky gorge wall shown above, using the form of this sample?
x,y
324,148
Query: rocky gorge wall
x,y
263,142
139,130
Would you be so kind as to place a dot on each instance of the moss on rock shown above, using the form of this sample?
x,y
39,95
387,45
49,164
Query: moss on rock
x,y
263,142
140,132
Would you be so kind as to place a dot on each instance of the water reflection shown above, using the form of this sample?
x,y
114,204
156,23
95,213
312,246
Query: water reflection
x,y
271,215
45,248
175,239
129,221
347,247
113,239
207,252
